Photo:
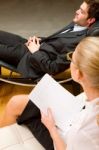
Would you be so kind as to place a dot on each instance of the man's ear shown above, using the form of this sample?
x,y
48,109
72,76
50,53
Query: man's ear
x,y
91,21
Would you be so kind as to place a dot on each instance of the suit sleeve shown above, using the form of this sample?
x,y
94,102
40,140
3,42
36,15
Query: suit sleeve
x,y
51,63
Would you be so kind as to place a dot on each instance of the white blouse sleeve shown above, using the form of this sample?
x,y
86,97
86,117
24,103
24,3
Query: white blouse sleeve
x,y
82,142
84,135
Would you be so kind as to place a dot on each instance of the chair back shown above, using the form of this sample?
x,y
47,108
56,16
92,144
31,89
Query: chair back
x,y
94,29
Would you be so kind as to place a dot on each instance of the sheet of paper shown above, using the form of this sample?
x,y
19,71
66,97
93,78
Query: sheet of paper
x,y
50,94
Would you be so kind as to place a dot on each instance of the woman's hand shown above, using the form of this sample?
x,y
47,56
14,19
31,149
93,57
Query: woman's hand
x,y
48,120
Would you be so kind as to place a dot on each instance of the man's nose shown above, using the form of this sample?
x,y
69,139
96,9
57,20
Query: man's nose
x,y
77,11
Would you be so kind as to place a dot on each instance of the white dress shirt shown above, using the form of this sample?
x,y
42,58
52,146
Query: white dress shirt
x,y
76,28
84,133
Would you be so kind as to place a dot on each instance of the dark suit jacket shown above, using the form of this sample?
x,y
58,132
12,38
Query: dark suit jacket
x,y
51,57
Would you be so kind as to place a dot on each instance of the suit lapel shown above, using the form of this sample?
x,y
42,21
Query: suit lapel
x,y
71,25
70,34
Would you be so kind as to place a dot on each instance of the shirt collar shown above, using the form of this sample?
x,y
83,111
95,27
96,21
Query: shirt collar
x,y
78,28
91,104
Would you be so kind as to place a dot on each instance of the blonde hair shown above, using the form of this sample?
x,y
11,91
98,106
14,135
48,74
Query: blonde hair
x,y
87,59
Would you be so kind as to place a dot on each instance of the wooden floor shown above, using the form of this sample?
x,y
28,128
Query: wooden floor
x,y
9,90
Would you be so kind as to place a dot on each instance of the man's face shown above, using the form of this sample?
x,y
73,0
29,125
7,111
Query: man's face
x,y
81,16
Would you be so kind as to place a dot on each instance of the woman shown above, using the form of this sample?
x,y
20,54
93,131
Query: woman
x,y
84,132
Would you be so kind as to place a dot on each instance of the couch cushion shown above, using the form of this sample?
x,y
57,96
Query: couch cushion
x,y
15,137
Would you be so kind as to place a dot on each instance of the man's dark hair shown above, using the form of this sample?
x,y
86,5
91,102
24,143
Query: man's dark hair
x,y
93,9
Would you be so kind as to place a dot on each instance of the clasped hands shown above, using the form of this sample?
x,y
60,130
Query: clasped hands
x,y
33,44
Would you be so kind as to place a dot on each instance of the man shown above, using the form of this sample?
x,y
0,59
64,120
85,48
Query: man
x,y
49,56
35,57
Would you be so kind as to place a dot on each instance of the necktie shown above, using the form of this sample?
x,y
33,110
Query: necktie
x,y
68,30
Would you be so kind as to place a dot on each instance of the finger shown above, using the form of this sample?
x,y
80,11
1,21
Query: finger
x,y
33,39
30,38
49,113
37,42
39,39
43,115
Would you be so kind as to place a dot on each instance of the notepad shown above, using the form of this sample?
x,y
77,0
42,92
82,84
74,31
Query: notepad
x,y
48,93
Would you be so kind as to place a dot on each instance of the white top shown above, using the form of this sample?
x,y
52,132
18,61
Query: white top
x,y
84,133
